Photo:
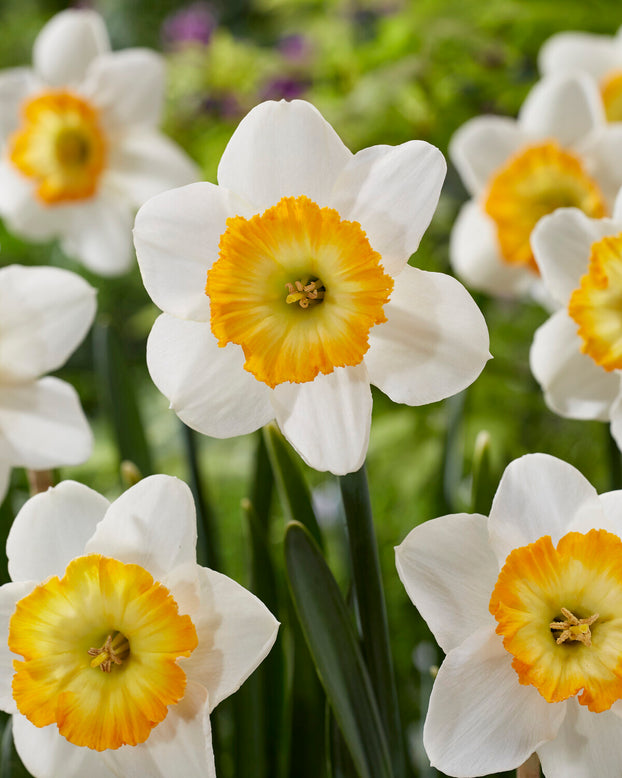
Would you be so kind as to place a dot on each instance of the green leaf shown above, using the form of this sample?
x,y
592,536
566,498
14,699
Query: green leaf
x,y
118,397
333,644
293,489
482,486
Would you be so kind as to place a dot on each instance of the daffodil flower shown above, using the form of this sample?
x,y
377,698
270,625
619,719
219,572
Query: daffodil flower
x,y
45,313
576,355
116,645
560,152
80,148
526,605
599,56
286,289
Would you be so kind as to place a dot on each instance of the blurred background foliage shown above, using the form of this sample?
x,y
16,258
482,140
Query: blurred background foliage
x,y
381,71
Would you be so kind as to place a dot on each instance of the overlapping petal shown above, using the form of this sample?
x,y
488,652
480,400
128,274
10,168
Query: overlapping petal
x,y
283,149
541,495
393,191
574,385
434,342
567,51
42,424
236,631
207,386
45,312
448,568
327,420
53,528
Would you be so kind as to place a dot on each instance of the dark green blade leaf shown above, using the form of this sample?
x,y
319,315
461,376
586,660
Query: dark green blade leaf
x,y
334,647
293,490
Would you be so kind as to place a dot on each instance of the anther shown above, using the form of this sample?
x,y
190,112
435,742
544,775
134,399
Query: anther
x,y
114,651
573,628
305,295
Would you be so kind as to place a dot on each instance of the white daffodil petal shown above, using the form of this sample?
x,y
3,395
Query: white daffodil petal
x,y
43,424
574,385
68,44
568,51
566,107
45,312
176,237
434,342
207,386
5,476
23,213
51,529
152,524
475,255
10,593
540,495
604,151
47,754
100,235
392,191
480,719
283,149
583,746
449,570
180,745
236,632
481,145
612,505
128,88
15,85
327,420
616,420
147,163
562,243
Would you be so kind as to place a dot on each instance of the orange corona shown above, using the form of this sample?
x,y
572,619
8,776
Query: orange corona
x,y
100,648
299,289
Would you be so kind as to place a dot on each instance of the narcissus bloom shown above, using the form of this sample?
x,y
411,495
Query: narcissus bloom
x,y
560,152
80,148
526,605
45,313
116,644
599,56
286,289
576,355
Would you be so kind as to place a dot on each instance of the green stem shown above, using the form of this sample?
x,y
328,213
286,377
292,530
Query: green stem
x,y
207,546
372,609
615,462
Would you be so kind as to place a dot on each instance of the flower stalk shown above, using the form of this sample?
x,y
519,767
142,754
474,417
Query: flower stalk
x,y
530,768
372,609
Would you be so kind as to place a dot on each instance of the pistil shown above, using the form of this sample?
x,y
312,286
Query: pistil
x,y
114,651
573,628
305,294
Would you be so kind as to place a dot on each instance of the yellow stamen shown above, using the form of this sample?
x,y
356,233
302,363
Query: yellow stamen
x,y
99,602
60,146
596,305
532,183
574,655
335,291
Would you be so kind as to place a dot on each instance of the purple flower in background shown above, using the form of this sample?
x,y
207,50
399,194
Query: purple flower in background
x,y
285,88
295,47
193,24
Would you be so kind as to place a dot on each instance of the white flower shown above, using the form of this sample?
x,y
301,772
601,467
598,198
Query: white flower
x,y
559,152
526,604
45,313
117,645
576,355
599,56
80,145
309,294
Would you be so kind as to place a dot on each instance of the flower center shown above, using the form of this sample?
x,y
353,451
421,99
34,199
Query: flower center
x,y
564,650
114,651
106,603
60,146
596,305
611,91
533,182
298,288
